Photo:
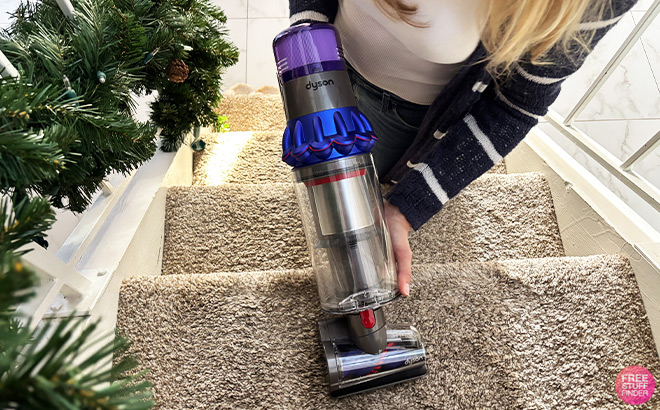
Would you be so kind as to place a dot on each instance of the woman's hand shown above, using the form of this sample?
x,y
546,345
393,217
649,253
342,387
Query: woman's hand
x,y
399,228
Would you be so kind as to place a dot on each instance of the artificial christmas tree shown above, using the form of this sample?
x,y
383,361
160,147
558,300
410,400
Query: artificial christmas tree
x,y
94,130
65,123
203,45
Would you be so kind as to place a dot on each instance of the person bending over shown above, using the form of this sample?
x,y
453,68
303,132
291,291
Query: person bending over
x,y
451,87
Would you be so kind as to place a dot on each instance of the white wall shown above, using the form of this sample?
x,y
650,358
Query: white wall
x,y
253,24
6,7
626,111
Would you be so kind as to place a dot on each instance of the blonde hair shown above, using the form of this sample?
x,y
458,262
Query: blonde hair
x,y
515,28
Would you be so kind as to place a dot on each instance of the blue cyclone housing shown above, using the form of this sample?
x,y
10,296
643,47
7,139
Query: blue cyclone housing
x,y
326,135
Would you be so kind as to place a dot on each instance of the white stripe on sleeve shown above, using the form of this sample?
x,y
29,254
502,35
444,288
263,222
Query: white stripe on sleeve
x,y
308,15
432,182
538,79
512,105
483,139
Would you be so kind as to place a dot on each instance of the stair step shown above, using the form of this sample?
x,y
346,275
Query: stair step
x,y
235,227
527,334
248,158
253,112
241,158
496,217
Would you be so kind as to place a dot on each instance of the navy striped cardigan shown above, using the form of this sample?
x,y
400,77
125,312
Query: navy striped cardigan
x,y
475,121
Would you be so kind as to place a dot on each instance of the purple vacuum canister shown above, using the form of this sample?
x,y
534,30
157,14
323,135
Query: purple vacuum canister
x,y
308,49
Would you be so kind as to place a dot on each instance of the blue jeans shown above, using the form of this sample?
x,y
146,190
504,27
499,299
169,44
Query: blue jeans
x,y
395,120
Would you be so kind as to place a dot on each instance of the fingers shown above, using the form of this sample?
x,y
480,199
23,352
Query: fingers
x,y
399,228
403,256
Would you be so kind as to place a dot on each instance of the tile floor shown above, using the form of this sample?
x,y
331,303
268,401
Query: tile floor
x,y
252,26
625,113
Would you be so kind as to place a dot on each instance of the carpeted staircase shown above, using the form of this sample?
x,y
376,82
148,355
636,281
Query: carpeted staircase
x,y
509,322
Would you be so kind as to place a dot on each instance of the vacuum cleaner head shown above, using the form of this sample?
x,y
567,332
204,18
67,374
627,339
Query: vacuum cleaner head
x,y
351,370
328,142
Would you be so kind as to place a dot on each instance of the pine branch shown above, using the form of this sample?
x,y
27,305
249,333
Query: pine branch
x,y
27,158
90,123
18,226
22,222
55,368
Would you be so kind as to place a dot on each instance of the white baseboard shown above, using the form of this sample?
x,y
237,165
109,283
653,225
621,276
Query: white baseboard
x,y
132,243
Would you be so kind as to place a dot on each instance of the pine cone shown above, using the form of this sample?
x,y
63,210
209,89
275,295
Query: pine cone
x,y
177,71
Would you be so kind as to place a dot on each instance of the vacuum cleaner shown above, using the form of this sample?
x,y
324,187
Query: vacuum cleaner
x,y
328,142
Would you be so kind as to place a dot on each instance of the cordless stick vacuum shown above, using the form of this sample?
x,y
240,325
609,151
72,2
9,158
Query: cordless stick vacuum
x,y
328,141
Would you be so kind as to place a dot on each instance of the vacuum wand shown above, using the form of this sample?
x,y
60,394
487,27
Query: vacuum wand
x,y
328,142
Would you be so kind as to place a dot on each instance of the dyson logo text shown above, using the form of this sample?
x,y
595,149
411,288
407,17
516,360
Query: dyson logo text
x,y
318,84
412,360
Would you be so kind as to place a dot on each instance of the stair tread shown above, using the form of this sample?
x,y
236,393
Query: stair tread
x,y
253,112
241,158
510,334
496,217
232,227
242,227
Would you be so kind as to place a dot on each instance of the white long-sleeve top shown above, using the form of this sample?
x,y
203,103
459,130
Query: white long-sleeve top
x,y
411,62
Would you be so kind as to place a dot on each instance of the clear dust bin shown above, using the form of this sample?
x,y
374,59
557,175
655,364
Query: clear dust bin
x,y
342,212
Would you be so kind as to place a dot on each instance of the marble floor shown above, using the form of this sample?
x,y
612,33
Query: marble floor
x,y
626,111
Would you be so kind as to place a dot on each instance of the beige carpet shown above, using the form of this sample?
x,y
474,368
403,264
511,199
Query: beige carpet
x,y
253,112
520,334
257,159
496,217
235,227
526,334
